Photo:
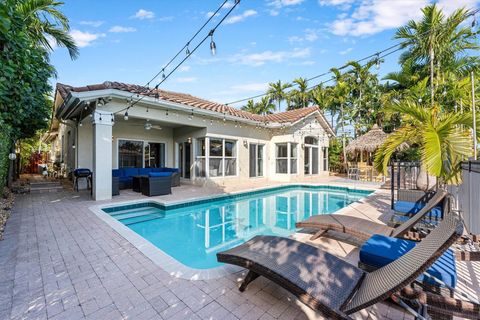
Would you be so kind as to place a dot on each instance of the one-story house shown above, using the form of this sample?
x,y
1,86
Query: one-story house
x,y
97,127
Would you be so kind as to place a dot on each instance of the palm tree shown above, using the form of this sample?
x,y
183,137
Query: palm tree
x,y
44,22
301,95
276,91
442,137
265,106
340,93
436,40
320,97
250,107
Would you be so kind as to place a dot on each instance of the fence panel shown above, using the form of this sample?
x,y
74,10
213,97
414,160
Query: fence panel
x,y
468,195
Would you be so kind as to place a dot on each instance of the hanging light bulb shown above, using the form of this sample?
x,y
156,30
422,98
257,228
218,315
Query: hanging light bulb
x,y
112,118
474,21
163,73
420,100
100,118
377,62
358,79
125,117
166,113
211,122
187,51
190,117
147,109
213,46
80,124
444,92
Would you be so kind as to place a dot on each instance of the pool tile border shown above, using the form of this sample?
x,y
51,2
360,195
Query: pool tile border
x,y
170,264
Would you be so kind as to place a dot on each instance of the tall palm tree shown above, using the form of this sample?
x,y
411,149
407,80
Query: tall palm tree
x,y
276,91
301,95
265,106
340,94
442,137
45,22
250,107
436,40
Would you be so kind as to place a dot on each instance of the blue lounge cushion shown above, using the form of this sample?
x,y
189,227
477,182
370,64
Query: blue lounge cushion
x,y
380,250
172,170
412,208
130,172
160,174
116,173
144,171
156,169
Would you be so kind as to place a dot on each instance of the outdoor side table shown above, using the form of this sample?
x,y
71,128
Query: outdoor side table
x,y
137,183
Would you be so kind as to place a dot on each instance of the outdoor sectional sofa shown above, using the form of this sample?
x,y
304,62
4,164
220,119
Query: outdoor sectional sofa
x,y
125,175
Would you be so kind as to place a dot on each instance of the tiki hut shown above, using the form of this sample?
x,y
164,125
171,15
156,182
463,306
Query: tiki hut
x,y
367,144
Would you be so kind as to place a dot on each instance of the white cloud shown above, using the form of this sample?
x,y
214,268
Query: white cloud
x,y
186,79
95,24
166,18
120,29
241,17
259,59
309,35
184,68
344,4
228,5
344,52
84,39
449,6
373,16
144,14
244,89
279,4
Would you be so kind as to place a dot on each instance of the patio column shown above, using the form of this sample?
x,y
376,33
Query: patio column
x,y
102,156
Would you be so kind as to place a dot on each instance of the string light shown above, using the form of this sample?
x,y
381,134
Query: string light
x,y
80,124
125,117
211,122
377,62
112,118
474,21
166,113
187,51
213,46
190,117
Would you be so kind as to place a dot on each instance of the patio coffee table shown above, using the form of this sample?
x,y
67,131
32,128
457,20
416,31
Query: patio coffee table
x,y
137,183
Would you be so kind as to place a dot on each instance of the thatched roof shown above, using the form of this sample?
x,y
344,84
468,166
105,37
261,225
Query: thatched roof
x,y
369,142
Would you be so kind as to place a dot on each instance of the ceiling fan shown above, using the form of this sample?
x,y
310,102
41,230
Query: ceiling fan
x,y
147,125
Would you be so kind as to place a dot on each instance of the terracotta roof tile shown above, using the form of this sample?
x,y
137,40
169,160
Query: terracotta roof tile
x,y
192,101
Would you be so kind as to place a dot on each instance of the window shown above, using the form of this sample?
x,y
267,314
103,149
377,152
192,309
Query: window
x,y
325,158
282,157
200,158
311,159
256,160
293,158
222,158
140,154
286,154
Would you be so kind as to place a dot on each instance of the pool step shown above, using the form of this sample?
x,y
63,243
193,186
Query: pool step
x,y
136,213
142,218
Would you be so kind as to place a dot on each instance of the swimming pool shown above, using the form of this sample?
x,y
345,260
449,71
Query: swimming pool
x,y
193,232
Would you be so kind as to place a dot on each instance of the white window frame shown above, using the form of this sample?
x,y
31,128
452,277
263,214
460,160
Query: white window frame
x,y
310,155
257,145
197,140
143,149
289,158
223,157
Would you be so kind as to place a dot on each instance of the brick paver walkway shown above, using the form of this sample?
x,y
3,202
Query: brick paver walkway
x,y
59,261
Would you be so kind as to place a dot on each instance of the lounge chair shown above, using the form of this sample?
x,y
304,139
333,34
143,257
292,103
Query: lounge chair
x,y
330,285
363,229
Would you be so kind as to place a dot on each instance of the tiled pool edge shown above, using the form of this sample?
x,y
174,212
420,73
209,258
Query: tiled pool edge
x,y
159,257
170,264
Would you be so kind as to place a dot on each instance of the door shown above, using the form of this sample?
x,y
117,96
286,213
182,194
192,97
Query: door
x,y
185,159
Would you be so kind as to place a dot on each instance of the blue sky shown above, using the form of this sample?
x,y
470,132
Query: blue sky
x,y
262,41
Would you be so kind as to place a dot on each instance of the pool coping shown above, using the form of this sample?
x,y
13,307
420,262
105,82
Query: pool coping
x,y
171,265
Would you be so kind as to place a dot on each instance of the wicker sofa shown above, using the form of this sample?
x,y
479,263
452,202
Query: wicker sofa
x,y
125,175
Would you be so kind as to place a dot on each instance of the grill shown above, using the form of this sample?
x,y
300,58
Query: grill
x,y
82,173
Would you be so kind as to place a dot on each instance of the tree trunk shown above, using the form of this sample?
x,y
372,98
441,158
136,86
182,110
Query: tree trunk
x,y
432,64
343,136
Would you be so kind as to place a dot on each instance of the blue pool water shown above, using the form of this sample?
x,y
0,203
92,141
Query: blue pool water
x,y
194,232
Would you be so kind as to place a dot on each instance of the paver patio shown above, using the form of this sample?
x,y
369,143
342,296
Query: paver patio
x,y
60,261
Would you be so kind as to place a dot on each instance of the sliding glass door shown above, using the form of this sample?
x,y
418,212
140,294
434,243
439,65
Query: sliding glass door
x,y
256,160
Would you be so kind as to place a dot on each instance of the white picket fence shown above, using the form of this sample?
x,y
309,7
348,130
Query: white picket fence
x,y
468,195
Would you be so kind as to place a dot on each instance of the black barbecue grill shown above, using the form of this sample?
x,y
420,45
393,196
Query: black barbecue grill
x,y
82,173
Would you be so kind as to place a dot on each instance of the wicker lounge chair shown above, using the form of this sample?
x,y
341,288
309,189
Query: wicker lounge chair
x,y
330,285
363,229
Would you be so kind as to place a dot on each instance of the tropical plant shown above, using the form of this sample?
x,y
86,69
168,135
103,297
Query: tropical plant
x,y
46,24
250,107
443,138
265,106
436,41
300,96
276,91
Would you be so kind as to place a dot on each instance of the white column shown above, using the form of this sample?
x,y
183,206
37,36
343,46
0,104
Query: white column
x,y
102,156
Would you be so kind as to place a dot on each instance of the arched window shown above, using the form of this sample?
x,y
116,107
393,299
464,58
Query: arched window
x,y
311,140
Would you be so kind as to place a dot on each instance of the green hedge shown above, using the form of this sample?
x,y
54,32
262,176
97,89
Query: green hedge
x,y
4,151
